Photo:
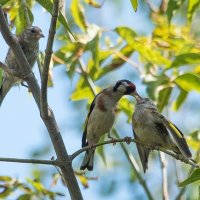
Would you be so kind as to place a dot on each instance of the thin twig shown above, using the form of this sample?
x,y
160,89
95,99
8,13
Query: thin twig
x,y
163,162
33,161
113,141
47,59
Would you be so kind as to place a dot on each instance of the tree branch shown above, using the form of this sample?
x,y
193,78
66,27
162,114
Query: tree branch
x,y
47,60
50,122
33,161
128,140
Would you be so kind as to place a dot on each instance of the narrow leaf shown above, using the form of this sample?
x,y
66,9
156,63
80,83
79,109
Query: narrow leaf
x,y
195,176
192,7
134,4
180,99
163,97
77,12
188,82
185,59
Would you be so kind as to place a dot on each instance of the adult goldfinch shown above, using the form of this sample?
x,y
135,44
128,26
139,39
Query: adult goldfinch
x,y
101,117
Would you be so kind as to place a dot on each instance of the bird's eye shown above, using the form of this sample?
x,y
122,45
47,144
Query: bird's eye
x,y
32,31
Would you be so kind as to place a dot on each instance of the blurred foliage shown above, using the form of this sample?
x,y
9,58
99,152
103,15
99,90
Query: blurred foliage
x,y
167,60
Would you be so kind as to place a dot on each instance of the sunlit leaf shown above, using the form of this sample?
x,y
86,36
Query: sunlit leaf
x,y
84,181
126,33
192,7
21,21
5,178
180,99
134,4
163,97
185,59
77,12
194,177
188,82
38,186
82,93
127,107
25,197
5,191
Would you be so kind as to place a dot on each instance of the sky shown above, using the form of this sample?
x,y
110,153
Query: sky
x,y
22,130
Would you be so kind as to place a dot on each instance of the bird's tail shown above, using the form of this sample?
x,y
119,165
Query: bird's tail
x,y
88,160
7,83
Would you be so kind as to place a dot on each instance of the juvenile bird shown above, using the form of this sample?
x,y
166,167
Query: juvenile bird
x,y
29,42
101,117
152,128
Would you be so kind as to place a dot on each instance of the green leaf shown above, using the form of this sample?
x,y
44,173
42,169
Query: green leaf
x,y
185,59
180,99
126,33
192,7
173,6
21,21
3,2
93,3
188,82
82,93
5,178
134,4
140,45
77,13
25,197
116,62
195,176
163,97
48,5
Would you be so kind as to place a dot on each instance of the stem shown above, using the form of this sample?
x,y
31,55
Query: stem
x,y
47,59
163,162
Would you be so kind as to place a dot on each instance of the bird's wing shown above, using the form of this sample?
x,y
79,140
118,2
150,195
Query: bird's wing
x,y
177,136
143,153
84,137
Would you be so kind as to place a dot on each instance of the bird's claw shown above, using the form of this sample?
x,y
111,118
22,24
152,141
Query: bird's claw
x,y
127,139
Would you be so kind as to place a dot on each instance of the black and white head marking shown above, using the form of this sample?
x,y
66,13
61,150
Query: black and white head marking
x,y
124,86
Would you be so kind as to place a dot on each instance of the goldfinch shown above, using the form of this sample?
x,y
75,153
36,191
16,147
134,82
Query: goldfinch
x,y
101,117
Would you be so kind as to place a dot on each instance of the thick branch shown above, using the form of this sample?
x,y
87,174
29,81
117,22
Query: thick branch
x,y
50,122
47,59
33,161
128,140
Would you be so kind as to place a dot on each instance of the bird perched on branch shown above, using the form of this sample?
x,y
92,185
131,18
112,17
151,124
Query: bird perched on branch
x,y
101,117
29,42
153,129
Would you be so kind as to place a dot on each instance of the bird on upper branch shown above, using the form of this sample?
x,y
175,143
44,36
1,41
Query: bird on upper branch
x,y
101,117
153,129
29,42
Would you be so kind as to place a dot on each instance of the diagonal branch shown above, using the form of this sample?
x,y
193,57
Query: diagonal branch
x,y
50,122
128,140
47,59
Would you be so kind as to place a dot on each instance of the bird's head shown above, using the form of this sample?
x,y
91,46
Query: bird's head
x,y
125,87
32,33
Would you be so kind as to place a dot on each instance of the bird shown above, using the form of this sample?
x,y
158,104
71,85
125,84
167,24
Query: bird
x,y
29,42
153,129
101,117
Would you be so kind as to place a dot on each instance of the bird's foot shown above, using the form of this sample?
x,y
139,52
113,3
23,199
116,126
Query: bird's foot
x,y
127,139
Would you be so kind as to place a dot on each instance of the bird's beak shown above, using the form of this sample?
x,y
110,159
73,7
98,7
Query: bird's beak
x,y
136,95
40,35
